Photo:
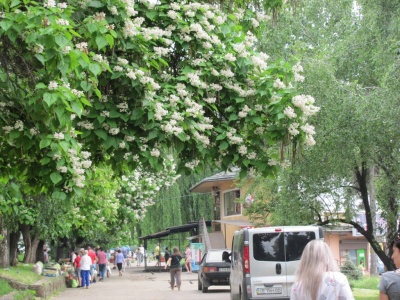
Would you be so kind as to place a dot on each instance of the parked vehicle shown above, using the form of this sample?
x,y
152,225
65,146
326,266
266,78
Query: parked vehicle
x,y
214,269
264,260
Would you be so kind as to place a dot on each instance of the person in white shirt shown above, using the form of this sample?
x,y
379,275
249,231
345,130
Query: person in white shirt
x,y
318,276
86,262
140,255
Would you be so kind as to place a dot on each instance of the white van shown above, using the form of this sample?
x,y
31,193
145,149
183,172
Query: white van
x,y
264,260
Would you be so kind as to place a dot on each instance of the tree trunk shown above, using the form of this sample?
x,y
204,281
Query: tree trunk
x,y
39,251
14,238
373,268
31,244
4,246
60,251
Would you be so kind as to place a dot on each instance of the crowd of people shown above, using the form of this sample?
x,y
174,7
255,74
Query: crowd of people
x,y
91,263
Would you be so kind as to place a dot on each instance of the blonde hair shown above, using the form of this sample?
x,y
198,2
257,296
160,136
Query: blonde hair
x,y
317,258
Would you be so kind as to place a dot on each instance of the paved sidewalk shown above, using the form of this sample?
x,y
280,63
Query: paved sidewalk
x,y
148,286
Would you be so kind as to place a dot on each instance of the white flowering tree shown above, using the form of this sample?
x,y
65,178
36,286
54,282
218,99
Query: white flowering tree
x,y
129,82
138,191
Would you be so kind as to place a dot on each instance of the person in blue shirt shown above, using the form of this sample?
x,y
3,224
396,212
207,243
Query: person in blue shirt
x,y
119,260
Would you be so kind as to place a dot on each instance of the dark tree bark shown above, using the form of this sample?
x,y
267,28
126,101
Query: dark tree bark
x,y
13,246
39,251
4,246
31,242
62,245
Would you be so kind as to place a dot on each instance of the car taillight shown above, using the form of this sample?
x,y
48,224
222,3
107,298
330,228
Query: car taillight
x,y
246,259
210,269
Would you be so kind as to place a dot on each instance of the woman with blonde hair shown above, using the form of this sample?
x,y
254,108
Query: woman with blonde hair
x,y
318,276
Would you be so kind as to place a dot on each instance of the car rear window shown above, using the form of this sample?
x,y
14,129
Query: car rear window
x,y
279,246
214,256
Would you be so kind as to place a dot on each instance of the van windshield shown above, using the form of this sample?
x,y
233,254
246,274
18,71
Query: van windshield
x,y
279,246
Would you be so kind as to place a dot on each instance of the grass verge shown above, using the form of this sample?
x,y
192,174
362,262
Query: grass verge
x,y
365,288
5,288
22,273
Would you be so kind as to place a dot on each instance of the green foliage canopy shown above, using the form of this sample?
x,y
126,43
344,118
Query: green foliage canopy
x,y
85,82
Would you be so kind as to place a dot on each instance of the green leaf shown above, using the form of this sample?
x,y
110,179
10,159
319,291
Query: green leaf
x,y
61,41
223,146
45,161
6,24
187,70
102,134
153,134
110,40
15,3
74,33
50,98
101,42
281,116
55,177
40,58
233,117
137,114
85,86
221,137
95,68
77,108
257,120
44,143
95,4
59,195
151,14
92,27
40,86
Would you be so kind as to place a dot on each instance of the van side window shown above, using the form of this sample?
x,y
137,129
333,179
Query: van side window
x,y
268,246
296,242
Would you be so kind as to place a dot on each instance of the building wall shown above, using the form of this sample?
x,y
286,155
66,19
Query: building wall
x,y
333,240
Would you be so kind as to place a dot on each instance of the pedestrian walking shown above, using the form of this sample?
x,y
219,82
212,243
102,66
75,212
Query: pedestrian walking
x,y
188,259
102,262
86,263
119,260
175,270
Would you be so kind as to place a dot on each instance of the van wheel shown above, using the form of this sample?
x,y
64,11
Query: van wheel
x,y
199,287
204,289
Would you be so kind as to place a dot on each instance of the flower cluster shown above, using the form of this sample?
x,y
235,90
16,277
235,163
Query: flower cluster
x,y
139,189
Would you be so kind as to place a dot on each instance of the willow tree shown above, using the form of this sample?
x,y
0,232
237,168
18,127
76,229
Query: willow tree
x,y
350,57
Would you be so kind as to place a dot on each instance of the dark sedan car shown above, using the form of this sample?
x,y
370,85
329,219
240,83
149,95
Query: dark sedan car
x,y
215,268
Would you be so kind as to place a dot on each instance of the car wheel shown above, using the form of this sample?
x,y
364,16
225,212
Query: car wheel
x,y
204,289
199,287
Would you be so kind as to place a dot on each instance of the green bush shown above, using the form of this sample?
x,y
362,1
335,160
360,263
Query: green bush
x,y
367,282
350,270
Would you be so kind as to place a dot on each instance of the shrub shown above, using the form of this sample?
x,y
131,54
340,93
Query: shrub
x,y
350,270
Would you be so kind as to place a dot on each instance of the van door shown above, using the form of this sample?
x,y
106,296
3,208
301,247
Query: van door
x,y
267,264
295,242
